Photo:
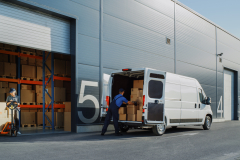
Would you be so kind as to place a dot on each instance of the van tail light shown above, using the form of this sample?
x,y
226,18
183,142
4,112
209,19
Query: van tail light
x,y
127,69
143,110
106,109
107,100
143,99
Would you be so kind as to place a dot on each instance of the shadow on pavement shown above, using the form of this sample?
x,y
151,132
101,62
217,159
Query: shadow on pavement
x,y
95,136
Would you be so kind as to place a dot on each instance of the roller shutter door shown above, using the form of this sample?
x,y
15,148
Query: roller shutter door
x,y
28,28
228,95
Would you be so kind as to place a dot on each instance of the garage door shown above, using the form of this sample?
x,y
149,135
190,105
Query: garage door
x,y
228,95
28,28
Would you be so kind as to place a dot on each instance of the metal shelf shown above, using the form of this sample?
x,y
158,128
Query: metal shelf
x,y
9,80
41,106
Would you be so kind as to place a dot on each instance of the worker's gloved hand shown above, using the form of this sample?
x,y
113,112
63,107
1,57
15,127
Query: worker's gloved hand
x,y
135,103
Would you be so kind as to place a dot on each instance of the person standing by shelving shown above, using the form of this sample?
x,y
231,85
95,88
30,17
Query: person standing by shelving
x,y
14,98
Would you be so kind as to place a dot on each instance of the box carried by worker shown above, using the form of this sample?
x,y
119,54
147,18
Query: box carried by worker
x,y
163,99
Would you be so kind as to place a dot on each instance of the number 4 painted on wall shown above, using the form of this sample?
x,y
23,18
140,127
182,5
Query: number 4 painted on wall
x,y
220,107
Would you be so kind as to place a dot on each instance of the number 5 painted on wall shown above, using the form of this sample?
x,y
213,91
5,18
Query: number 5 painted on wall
x,y
83,98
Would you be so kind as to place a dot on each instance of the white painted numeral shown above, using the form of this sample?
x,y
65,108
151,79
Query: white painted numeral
x,y
220,108
83,98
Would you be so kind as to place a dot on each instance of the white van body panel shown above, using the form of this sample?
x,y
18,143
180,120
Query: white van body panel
x,y
181,98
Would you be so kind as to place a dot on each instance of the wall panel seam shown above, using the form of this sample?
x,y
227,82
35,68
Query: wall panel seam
x,y
228,46
139,49
88,36
153,9
138,25
194,29
196,65
84,5
195,47
87,64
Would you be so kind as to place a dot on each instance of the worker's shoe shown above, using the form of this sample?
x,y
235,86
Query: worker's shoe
x,y
102,134
19,132
118,134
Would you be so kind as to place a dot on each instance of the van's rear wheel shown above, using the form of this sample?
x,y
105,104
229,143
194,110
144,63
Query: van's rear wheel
x,y
124,128
159,129
208,122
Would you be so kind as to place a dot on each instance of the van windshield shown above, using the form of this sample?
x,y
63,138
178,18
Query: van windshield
x,y
155,89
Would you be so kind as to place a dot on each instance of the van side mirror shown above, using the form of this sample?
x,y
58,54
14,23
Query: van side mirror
x,y
208,101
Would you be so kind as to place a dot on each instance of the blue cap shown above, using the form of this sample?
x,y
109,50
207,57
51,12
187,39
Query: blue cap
x,y
12,90
121,90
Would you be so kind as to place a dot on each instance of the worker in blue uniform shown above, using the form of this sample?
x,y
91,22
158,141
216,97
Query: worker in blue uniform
x,y
113,111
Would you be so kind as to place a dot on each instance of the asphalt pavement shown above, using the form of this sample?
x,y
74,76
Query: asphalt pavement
x,y
183,143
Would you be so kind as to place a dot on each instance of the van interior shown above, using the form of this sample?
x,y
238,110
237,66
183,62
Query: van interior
x,y
125,80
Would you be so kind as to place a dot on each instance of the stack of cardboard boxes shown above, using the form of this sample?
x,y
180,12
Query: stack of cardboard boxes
x,y
8,62
67,116
27,94
5,115
132,112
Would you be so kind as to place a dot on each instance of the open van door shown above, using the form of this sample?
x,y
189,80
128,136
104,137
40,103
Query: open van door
x,y
155,96
105,100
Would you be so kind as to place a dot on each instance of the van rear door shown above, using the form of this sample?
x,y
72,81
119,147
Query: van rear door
x,y
105,100
155,96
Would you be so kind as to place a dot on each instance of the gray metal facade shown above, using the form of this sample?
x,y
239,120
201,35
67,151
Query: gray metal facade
x,y
116,34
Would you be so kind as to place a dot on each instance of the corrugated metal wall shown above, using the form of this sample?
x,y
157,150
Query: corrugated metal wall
x,y
134,35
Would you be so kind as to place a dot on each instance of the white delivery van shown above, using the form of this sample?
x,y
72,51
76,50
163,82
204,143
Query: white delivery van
x,y
168,99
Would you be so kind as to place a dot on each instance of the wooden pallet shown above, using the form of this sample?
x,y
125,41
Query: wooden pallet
x,y
8,49
29,79
28,103
28,52
29,125
11,77
39,103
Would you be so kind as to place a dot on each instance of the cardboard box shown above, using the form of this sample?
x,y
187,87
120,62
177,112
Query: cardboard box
x,y
24,110
8,69
28,117
39,88
131,109
39,97
67,85
67,121
28,71
122,110
131,117
140,107
39,62
57,83
60,110
27,87
24,60
13,85
139,115
68,68
4,90
67,106
27,95
134,97
39,73
138,84
3,110
3,97
8,46
137,92
59,94
58,119
3,57
12,58
4,85
122,117
31,61
59,66
40,118
33,110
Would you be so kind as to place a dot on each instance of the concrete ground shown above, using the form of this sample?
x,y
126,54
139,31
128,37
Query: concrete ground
x,y
190,143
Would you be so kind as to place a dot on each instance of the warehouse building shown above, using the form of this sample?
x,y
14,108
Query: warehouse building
x,y
101,36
